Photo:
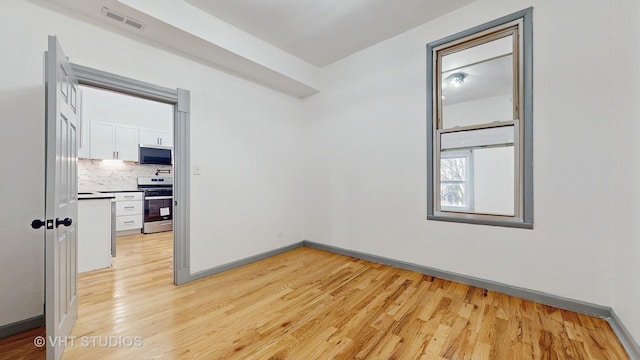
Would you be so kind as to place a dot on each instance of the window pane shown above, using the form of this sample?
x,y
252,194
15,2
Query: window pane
x,y
477,170
453,195
493,180
477,84
453,169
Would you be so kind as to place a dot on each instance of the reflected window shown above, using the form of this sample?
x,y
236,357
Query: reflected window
x,y
480,125
455,180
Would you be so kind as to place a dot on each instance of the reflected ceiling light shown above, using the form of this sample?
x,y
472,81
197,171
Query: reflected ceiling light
x,y
456,79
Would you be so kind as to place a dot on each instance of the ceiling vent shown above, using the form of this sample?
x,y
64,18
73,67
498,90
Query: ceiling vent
x,y
122,19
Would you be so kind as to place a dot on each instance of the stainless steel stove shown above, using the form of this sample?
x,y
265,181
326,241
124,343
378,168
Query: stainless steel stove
x,y
158,203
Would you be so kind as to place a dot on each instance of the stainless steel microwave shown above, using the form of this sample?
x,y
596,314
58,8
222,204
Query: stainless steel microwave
x,y
157,155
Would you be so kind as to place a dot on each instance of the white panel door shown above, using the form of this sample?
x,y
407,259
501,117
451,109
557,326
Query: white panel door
x,y
126,143
103,140
61,195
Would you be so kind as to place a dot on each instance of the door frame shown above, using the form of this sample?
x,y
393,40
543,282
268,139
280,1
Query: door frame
x,y
180,99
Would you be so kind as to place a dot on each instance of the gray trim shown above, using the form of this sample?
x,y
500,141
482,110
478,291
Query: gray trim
x,y
527,186
180,99
245,261
181,226
527,294
430,134
113,228
527,210
21,326
625,337
109,81
512,224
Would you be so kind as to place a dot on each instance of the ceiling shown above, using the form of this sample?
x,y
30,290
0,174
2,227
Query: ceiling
x,y
484,79
282,44
322,32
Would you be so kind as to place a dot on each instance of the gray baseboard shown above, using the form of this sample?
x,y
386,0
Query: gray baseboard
x,y
20,326
242,262
629,343
605,312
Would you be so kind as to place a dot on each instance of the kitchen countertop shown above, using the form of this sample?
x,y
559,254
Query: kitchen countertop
x,y
117,191
94,195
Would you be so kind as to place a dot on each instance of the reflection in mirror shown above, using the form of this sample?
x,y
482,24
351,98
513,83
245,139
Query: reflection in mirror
x,y
477,169
477,84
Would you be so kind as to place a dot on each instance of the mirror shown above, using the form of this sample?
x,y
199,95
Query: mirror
x,y
477,84
479,124
477,171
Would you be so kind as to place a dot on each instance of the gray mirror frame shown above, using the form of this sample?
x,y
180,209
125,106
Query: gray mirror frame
x,y
526,220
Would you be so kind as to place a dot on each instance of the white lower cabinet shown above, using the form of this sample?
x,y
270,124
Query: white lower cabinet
x,y
94,234
129,213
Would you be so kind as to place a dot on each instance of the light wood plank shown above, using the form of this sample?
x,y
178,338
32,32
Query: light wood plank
x,y
310,304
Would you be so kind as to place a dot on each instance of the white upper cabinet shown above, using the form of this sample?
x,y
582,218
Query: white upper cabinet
x,y
155,137
103,139
114,141
115,124
126,143
84,149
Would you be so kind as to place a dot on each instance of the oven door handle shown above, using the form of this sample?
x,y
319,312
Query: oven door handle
x,y
158,197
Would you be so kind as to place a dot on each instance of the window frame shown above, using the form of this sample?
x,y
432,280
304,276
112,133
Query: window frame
x,y
523,119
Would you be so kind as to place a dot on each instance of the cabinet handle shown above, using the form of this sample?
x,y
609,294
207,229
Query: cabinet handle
x,y
129,207
117,155
129,222
128,196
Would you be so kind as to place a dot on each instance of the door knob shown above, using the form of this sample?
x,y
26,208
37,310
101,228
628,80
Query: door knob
x,y
65,222
37,224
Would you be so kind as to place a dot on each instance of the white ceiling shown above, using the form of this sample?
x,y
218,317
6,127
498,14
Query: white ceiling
x,y
322,32
281,44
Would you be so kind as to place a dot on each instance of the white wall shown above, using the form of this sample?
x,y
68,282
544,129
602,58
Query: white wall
x,y
624,119
365,169
495,108
246,139
107,106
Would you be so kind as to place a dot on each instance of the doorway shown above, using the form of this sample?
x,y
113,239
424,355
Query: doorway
x,y
179,99
126,152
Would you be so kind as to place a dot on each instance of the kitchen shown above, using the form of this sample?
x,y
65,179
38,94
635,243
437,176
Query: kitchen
x,y
125,173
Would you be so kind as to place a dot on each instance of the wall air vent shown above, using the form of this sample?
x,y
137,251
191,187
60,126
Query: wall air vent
x,y
122,19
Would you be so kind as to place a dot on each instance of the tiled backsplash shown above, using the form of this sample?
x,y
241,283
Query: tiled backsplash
x,y
98,175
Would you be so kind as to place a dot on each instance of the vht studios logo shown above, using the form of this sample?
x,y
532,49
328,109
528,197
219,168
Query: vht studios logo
x,y
89,341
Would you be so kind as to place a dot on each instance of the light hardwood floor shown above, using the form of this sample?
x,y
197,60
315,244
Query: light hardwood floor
x,y
310,304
